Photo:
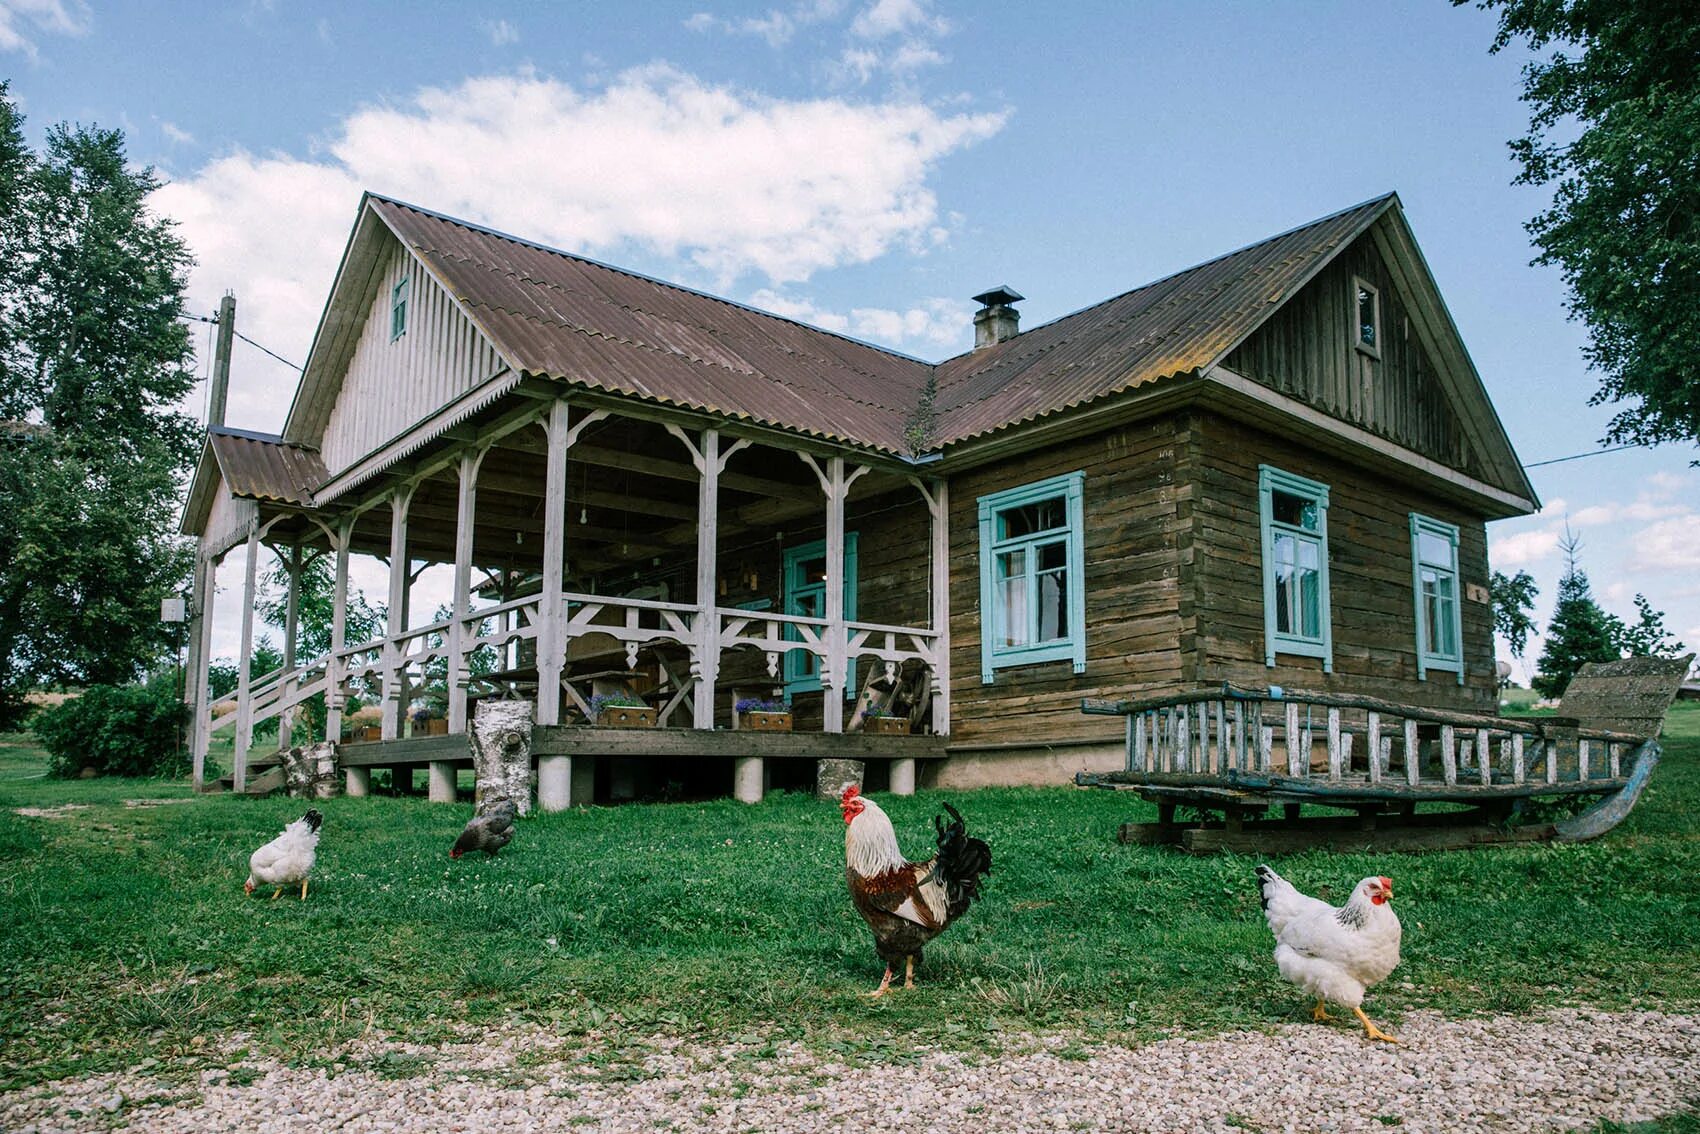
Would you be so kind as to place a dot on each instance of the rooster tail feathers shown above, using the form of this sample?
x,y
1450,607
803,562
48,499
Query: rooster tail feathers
x,y
313,818
1266,878
961,861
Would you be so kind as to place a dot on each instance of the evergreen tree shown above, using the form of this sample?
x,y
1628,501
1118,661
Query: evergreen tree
x,y
1579,631
93,360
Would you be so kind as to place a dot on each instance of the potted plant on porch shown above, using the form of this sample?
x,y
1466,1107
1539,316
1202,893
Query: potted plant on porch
x,y
763,715
880,721
428,720
621,710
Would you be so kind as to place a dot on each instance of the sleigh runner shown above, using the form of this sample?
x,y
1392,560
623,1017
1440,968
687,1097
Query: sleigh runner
x,y
1231,753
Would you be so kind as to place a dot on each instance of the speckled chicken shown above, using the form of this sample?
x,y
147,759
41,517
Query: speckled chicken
x,y
287,859
488,832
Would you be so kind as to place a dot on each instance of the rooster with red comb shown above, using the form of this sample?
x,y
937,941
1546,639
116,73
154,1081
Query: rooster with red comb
x,y
907,904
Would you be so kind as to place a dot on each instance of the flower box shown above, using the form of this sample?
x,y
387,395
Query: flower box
x,y
886,726
436,727
764,721
369,732
627,716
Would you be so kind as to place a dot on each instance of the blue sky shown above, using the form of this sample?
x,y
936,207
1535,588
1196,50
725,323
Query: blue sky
x,y
868,165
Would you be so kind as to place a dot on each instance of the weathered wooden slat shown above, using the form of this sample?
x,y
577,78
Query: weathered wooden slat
x,y
1297,762
1389,839
1519,759
1266,749
1239,737
1335,753
1549,753
1483,761
1614,754
1582,755
1413,754
1223,748
1448,754
1373,752
1136,743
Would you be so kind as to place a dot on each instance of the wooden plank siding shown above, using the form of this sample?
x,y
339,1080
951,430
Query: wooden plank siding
x,y
1369,555
1138,531
390,385
1305,350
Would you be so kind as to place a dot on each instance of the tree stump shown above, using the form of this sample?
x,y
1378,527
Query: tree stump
x,y
501,754
309,770
832,776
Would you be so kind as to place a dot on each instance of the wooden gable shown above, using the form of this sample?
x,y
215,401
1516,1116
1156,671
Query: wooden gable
x,y
365,385
1418,390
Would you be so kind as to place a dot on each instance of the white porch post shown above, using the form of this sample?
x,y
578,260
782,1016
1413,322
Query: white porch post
x,y
244,711
551,636
833,673
396,616
465,514
334,692
707,660
291,625
206,586
938,503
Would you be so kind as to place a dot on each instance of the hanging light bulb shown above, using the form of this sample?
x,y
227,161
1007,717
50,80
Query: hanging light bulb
x,y
584,515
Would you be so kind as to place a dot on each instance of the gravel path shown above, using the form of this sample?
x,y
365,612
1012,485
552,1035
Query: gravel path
x,y
1500,1074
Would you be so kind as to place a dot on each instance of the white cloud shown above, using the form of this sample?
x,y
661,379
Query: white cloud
x,y
21,20
654,164
176,133
929,328
886,18
1521,549
1672,544
776,26
501,32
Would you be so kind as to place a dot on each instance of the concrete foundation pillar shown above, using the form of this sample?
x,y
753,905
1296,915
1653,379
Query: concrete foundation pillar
x,y
442,781
359,782
747,779
903,776
554,783
402,780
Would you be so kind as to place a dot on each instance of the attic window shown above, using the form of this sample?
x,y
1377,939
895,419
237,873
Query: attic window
x,y
1367,304
398,309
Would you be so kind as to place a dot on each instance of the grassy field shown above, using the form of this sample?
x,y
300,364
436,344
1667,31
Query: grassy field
x,y
125,935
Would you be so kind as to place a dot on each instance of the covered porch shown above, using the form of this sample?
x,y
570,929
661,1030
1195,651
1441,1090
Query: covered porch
x,y
592,546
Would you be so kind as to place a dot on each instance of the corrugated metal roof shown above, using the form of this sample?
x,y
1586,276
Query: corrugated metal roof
x,y
264,466
558,315
1176,325
552,313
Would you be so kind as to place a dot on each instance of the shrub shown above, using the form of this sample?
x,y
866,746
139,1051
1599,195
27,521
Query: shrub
x,y
118,730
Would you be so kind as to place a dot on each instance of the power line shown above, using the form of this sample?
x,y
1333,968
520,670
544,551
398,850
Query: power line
x,y
1579,456
273,353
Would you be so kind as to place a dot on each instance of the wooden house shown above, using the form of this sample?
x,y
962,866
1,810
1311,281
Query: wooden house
x,y
1273,468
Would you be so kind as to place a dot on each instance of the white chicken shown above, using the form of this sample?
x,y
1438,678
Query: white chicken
x,y
287,859
1334,954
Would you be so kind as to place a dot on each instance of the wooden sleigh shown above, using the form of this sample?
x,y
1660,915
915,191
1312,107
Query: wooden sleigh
x,y
1229,755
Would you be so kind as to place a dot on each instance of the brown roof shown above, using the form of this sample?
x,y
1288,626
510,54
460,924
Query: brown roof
x,y
573,319
1179,324
264,466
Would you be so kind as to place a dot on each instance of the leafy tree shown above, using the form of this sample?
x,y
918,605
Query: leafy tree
x,y
316,607
1513,606
1648,636
224,674
1614,130
93,358
116,730
1579,631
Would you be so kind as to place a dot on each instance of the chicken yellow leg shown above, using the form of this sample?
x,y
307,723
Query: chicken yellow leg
x,y
276,893
909,972
1371,1030
303,889
1320,1012
885,986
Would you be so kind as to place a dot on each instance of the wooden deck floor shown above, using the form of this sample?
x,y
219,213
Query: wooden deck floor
x,y
664,743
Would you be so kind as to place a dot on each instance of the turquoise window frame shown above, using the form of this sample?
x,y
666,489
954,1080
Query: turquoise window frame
x,y
1269,481
797,680
1426,660
398,308
1070,488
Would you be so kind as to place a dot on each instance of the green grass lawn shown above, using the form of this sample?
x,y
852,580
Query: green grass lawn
x,y
125,935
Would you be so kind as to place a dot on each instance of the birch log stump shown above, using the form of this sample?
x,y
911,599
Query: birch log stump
x,y
501,754
832,776
309,770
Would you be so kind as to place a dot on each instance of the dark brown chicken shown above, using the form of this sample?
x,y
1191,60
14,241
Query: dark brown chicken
x,y
488,832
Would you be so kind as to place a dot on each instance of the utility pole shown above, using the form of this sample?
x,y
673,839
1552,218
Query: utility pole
x,y
195,669
221,360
